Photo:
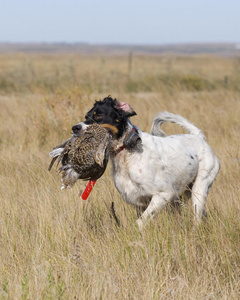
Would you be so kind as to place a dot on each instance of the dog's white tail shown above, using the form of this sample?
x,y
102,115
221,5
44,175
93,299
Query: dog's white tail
x,y
165,116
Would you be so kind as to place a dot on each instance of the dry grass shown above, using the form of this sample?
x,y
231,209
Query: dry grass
x,y
52,244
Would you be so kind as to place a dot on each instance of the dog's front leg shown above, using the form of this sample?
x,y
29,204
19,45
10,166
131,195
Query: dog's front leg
x,y
157,203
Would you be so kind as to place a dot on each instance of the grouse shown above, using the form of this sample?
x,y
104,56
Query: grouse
x,y
83,157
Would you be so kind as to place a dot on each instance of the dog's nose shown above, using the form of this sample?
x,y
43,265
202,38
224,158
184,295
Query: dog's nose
x,y
76,128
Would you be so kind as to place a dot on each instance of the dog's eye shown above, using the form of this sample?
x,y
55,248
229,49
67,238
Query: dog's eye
x,y
98,117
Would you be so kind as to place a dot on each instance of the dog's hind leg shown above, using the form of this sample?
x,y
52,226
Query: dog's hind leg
x,y
156,204
201,187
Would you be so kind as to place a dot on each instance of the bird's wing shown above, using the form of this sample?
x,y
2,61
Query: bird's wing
x,y
58,152
100,151
52,162
62,145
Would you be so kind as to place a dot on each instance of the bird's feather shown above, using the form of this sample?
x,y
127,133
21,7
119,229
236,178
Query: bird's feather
x,y
83,157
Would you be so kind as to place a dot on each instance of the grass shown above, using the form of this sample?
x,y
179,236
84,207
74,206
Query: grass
x,y
53,245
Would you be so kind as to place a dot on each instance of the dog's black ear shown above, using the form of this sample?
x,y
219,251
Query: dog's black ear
x,y
128,111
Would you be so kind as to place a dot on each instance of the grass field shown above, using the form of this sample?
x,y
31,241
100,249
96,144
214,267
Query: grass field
x,y
53,245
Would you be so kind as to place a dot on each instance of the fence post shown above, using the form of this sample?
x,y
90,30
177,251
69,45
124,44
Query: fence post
x,y
225,81
130,56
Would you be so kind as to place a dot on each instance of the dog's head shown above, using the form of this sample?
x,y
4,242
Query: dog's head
x,y
109,113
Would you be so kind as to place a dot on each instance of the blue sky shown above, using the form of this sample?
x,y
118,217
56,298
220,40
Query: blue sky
x,y
120,21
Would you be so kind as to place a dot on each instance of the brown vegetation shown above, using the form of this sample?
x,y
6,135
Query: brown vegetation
x,y
52,244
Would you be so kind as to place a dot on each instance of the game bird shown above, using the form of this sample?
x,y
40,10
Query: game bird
x,y
83,157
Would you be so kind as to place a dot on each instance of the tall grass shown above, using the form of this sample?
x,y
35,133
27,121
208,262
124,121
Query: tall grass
x,y
48,73
54,245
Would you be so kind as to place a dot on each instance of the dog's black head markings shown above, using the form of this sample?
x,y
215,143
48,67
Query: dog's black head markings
x,y
109,113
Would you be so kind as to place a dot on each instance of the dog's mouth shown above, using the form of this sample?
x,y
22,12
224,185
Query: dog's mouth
x,y
74,135
78,134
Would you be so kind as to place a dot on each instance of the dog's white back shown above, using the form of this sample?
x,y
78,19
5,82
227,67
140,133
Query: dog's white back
x,y
165,166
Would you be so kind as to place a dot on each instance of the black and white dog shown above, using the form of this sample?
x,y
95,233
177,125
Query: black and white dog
x,y
160,168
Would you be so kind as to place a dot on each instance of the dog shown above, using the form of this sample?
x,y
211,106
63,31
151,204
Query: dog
x,y
158,168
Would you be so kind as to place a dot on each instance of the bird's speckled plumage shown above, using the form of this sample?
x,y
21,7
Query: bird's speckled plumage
x,y
83,157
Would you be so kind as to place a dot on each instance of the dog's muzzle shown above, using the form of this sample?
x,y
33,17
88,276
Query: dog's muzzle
x,y
77,128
